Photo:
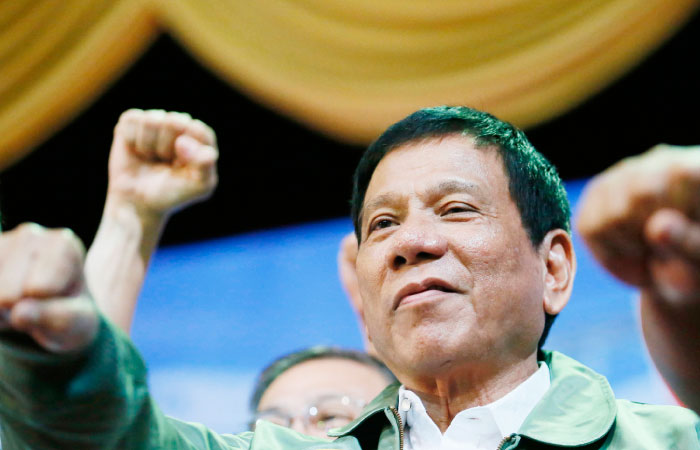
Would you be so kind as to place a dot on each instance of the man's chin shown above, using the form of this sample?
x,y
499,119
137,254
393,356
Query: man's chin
x,y
429,358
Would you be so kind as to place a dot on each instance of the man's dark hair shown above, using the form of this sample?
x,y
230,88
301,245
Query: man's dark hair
x,y
533,181
286,362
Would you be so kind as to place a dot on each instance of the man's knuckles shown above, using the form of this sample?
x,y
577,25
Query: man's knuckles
x,y
44,262
59,277
148,131
33,235
127,127
128,117
637,186
152,134
177,122
174,124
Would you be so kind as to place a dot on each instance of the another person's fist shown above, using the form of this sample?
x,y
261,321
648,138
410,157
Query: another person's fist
x,y
162,161
42,289
641,218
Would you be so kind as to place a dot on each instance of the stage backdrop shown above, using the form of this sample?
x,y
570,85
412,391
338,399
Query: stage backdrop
x,y
212,314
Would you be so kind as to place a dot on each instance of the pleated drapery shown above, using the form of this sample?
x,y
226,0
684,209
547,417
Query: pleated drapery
x,y
345,68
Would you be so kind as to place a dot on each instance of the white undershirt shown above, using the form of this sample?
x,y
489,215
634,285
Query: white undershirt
x,y
481,427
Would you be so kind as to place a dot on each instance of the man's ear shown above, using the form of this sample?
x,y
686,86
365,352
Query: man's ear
x,y
559,259
347,254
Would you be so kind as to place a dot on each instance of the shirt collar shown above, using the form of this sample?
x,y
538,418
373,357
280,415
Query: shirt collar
x,y
511,410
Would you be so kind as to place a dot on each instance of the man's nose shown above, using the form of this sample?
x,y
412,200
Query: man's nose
x,y
417,240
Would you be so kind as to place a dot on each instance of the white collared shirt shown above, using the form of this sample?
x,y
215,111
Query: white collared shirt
x,y
481,427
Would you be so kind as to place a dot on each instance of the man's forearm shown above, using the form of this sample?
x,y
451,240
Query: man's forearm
x,y
118,259
672,333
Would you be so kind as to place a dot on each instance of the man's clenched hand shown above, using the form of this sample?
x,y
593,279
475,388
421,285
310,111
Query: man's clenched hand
x,y
42,288
641,219
161,161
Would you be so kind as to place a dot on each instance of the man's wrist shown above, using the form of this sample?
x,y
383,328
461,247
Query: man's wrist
x,y
131,224
125,211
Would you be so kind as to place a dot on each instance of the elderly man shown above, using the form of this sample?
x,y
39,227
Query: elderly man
x,y
464,260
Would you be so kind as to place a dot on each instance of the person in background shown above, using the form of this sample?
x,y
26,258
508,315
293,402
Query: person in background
x,y
316,389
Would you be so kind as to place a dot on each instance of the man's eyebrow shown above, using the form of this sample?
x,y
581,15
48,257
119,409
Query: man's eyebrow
x,y
377,202
443,188
451,187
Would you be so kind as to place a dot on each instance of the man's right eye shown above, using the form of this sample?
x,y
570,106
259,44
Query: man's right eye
x,y
381,223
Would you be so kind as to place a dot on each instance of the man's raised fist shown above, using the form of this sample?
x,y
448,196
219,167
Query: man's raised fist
x,y
162,161
641,219
42,289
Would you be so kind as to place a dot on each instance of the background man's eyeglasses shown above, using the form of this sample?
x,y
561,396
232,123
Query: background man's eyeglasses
x,y
318,417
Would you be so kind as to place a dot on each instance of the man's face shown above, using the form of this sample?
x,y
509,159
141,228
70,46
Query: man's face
x,y
447,272
317,395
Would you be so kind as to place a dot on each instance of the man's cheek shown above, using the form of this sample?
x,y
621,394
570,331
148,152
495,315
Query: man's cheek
x,y
369,284
375,315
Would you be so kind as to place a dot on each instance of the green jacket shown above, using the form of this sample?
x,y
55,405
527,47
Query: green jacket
x,y
99,400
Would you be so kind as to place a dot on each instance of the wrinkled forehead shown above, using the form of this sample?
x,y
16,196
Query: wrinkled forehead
x,y
445,163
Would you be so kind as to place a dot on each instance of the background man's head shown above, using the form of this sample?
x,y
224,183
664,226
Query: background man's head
x,y
319,388
534,183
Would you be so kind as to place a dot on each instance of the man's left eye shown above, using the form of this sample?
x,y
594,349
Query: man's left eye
x,y
456,209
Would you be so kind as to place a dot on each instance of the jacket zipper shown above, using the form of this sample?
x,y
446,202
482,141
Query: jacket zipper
x,y
398,418
506,440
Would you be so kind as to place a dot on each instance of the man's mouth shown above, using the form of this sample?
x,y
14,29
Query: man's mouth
x,y
424,290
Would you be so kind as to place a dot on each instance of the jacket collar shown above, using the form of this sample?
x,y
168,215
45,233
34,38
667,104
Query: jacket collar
x,y
579,407
385,400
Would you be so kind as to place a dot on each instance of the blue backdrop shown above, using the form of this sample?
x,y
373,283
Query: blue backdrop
x,y
212,314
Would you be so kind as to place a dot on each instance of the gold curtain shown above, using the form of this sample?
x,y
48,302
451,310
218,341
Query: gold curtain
x,y
346,68
56,56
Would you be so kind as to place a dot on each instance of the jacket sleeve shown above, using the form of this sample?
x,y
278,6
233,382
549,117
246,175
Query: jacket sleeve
x,y
97,399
